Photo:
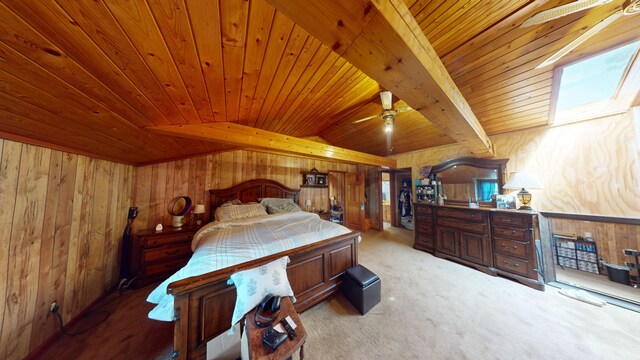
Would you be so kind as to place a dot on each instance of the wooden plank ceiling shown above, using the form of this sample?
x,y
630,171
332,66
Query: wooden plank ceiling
x,y
91,76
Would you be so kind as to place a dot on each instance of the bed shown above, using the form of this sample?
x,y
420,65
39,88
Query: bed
x,y
203,305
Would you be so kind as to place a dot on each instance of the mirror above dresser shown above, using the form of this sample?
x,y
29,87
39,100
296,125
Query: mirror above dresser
x,y
467,178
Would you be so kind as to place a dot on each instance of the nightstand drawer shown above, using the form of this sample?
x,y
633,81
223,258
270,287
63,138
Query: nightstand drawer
x,y
166,252
166,267
155,241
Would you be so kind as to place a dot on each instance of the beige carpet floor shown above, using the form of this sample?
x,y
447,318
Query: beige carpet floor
x,y
437,309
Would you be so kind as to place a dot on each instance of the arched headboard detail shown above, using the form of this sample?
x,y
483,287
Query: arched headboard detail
x,y
251,191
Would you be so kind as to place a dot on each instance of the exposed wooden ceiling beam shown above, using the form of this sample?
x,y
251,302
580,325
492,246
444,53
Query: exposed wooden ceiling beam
x,y
252,138
384,41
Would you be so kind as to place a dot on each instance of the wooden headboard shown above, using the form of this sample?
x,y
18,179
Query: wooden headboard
x,y
251,191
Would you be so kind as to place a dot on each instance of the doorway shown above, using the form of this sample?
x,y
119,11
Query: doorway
x,y
403,199
386,199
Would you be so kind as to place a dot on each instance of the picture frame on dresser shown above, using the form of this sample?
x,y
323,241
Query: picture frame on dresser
x,y
506,201
321,180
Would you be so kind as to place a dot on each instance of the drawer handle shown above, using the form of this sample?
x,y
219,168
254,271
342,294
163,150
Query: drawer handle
x,y
503,245
502,230
512,265
171,252
514,247
473,227
506,220
473,215
513,232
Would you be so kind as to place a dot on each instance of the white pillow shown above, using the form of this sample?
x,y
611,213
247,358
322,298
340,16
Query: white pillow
x,y
235,212
254,284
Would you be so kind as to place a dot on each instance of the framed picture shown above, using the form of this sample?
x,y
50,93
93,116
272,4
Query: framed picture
x,y
321,179
310,179
506,201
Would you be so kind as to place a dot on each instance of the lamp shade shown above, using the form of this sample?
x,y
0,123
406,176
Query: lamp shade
x,y
198,209
307,202
386,100
522,180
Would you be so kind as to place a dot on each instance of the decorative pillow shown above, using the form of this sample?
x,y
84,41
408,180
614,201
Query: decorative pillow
x,y
279,205
254,284
232,202
236,212
283,208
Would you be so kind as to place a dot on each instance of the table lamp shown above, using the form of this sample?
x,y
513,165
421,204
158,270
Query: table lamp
x,y
198,211
307,203
522,180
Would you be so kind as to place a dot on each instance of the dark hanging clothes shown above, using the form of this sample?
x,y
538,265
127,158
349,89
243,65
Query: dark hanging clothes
x,y
404,202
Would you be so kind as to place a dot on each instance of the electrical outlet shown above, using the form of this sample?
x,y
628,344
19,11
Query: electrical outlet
x,y
54,306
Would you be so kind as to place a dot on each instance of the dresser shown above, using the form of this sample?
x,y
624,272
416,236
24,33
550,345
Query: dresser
x,y
497,242
157,255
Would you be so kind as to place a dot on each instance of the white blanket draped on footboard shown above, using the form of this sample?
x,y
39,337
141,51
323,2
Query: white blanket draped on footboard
x,y
222,244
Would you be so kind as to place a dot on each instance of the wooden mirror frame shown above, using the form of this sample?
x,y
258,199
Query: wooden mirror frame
x,y
497,164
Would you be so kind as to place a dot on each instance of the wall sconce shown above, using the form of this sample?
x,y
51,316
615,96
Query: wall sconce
x,y
522,180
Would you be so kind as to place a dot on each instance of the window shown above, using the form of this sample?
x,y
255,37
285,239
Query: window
x,y
592,87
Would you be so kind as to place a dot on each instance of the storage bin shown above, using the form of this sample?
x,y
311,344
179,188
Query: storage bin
x,y
619,274
362,287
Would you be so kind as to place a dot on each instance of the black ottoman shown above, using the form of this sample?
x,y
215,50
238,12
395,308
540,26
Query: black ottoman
x,y
362,288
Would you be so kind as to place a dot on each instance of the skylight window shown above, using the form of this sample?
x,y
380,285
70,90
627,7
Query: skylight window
x,y
590,87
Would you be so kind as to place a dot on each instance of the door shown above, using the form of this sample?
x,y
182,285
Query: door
x,y
354,201
447,240
474,248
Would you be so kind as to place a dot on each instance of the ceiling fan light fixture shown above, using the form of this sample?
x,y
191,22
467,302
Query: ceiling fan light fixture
x,y
386,99
388,124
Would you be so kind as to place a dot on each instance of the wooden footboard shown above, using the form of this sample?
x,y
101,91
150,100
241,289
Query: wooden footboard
x,y
204,304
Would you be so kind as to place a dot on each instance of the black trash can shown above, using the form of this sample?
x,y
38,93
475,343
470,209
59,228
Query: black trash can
x,y
362,288
619,274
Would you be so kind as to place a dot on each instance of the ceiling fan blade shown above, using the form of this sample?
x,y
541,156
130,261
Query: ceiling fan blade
x,y
580,39
563,10
366,119
403,109
386,99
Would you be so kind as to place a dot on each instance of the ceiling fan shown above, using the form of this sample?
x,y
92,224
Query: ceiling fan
x,y
630,7
388,113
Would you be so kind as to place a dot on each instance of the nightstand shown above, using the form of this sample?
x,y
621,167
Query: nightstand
x,y
324,215
155,255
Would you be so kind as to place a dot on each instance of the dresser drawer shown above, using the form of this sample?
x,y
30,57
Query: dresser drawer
x,y
160,240
517,266
463,225
471,215
512,248
513,233
422,218
165,267
511,220
423,210
424,228
166,252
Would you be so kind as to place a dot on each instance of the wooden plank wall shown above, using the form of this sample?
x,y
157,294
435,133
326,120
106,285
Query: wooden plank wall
x,y
610,238
157,184
591,167
60,228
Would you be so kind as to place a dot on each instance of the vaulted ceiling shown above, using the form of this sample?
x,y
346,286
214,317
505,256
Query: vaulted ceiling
x,y
92,76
